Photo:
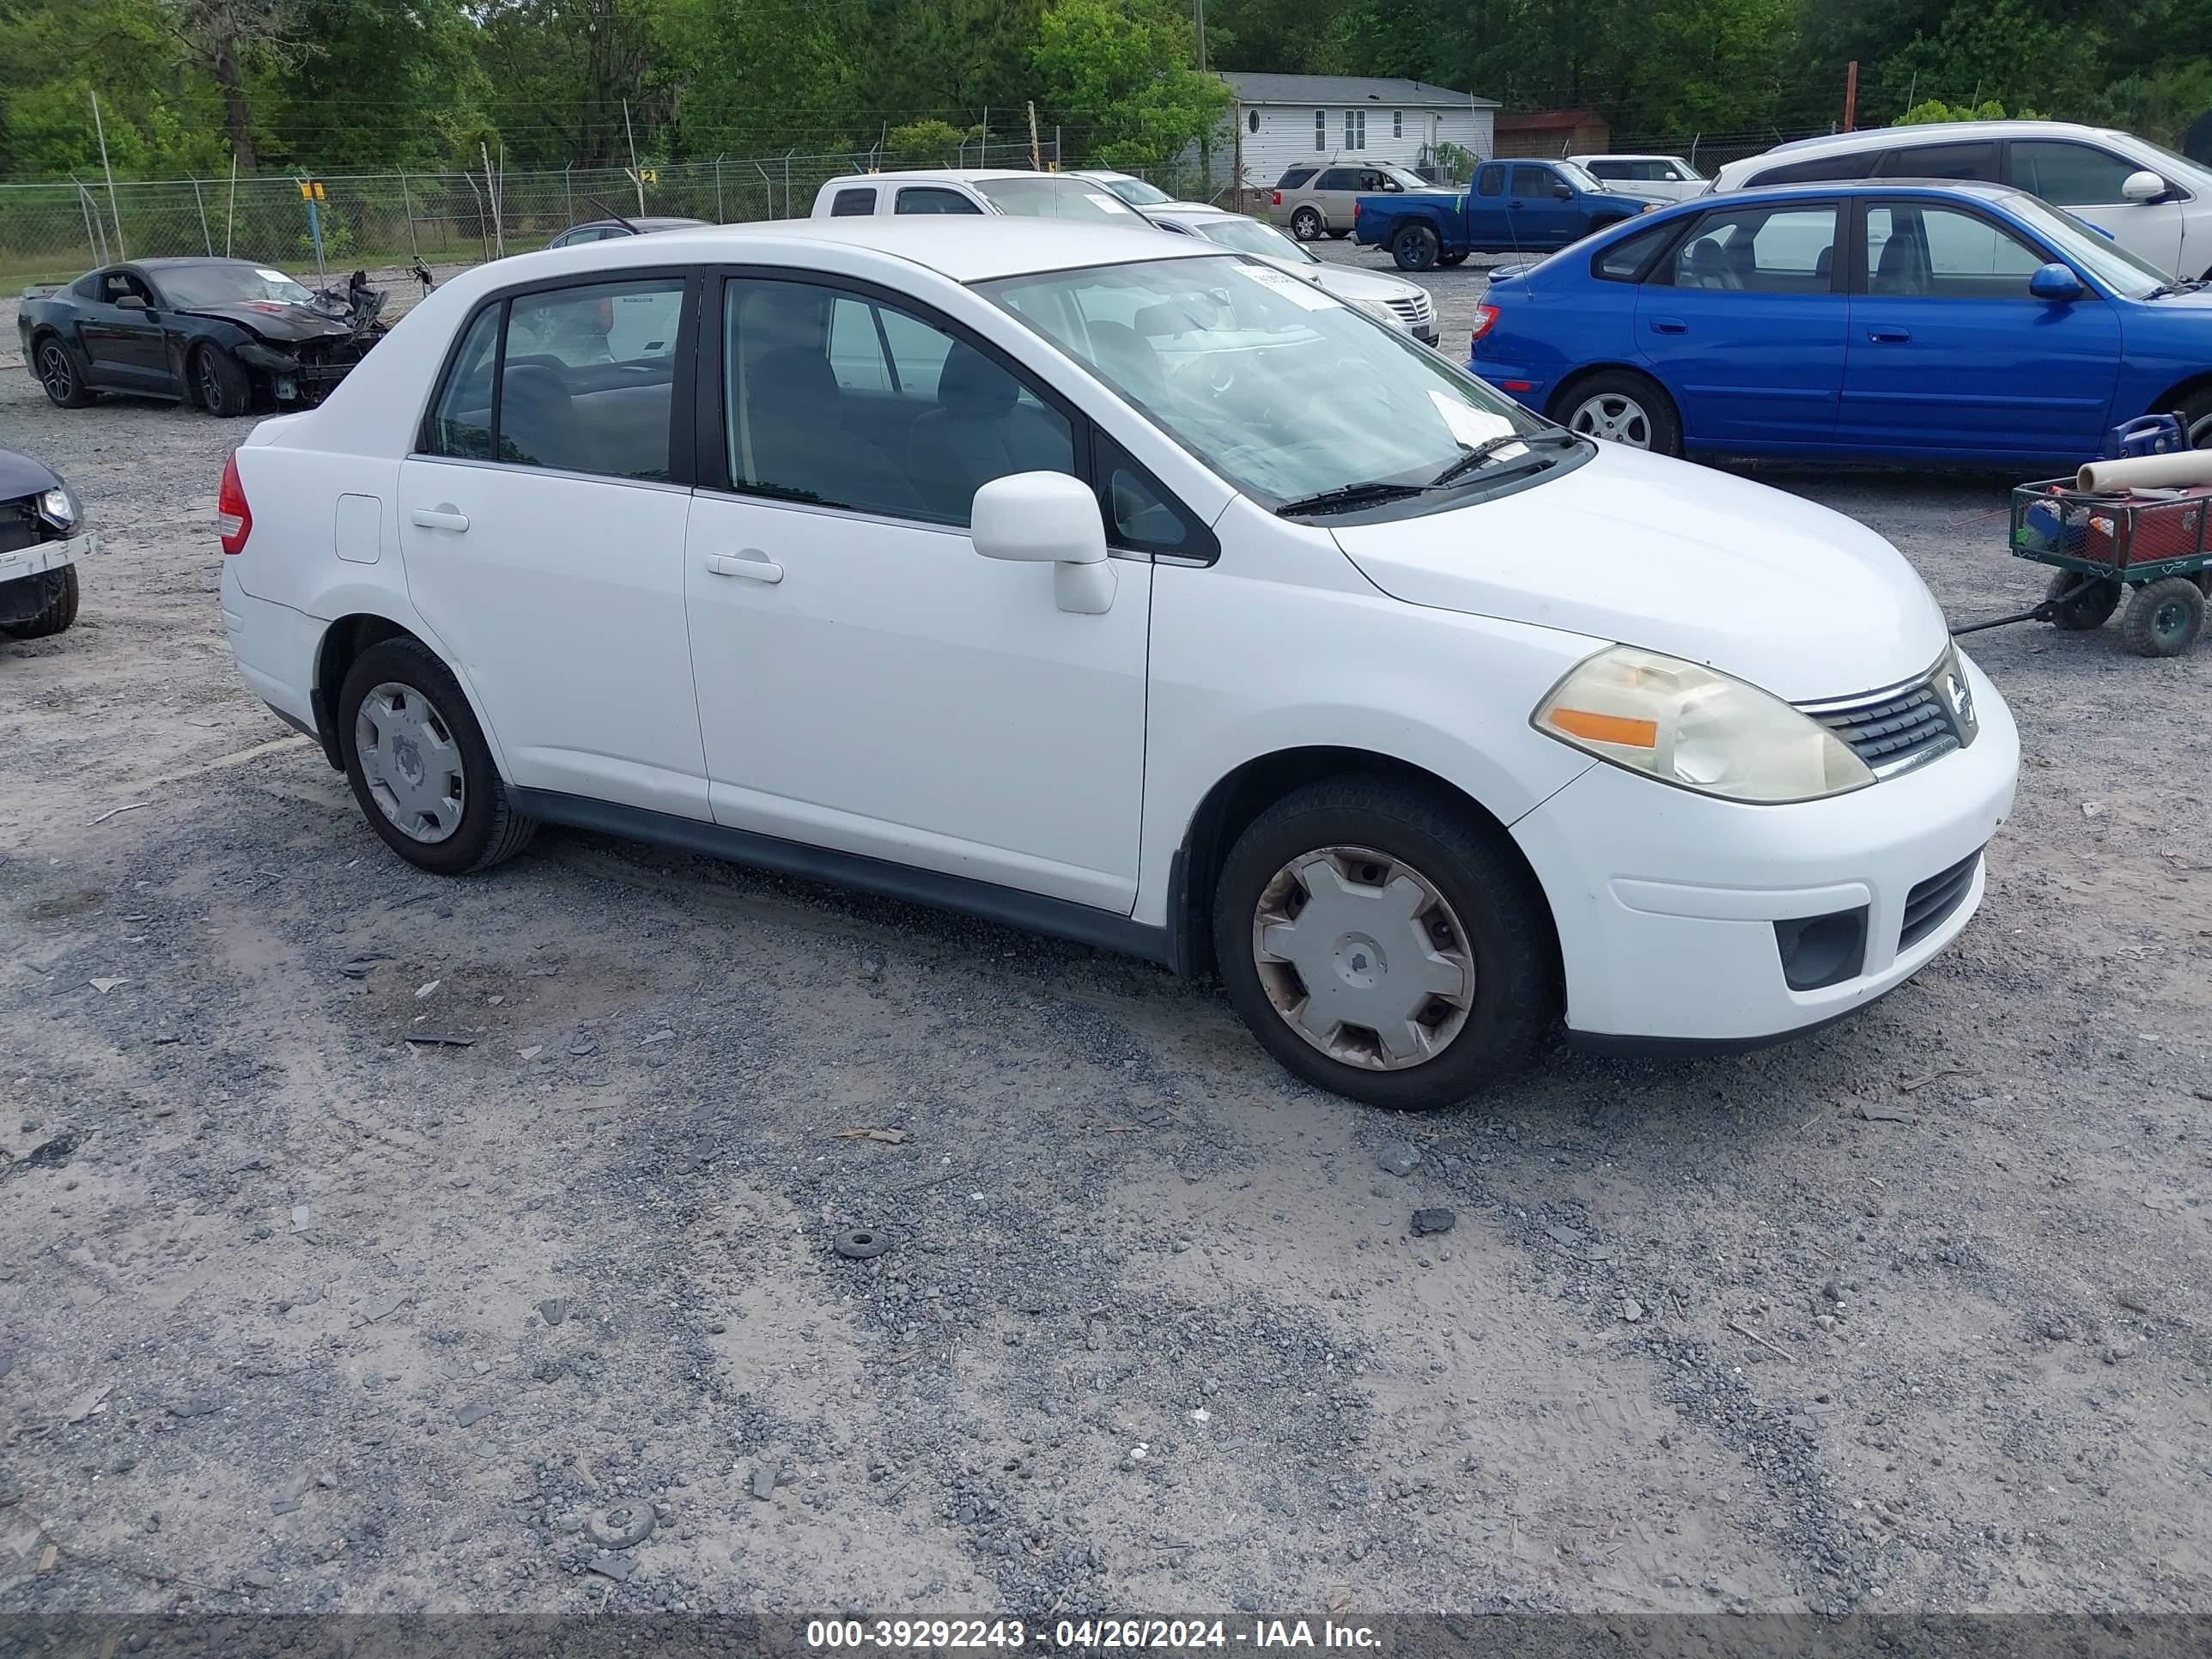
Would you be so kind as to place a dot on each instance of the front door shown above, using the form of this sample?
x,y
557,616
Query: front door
x,y
124,342
541,522
1950,352
2085,179
867,681
1745,323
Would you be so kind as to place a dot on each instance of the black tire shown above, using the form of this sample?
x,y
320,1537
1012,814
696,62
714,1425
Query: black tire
x,y
1416,247
1661,426
1305,224
2090,607
1449,260
1338,235
490,830
60,611
1507,927
2163,618
58,374
2195,412
220,383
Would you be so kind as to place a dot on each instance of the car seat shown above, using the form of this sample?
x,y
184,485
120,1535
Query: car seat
x,y
981,430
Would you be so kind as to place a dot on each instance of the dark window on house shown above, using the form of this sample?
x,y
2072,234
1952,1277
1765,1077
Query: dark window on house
x,y
1251,120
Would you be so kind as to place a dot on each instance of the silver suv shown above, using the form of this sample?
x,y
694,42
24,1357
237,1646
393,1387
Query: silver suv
x,y
1315,200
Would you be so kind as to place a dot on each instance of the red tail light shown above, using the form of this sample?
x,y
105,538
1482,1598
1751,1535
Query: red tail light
x,y
1484,317
1355,207
233,515
1279,199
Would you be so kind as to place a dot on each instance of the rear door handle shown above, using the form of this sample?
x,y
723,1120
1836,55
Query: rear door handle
x,y
1887,336
1669,325
441,517
752,564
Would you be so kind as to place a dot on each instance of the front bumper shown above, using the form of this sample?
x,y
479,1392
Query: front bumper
x,y
1666,900
42,556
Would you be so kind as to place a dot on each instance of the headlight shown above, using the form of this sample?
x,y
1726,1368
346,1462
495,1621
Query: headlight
x,y
1697,729
1381,312
58,507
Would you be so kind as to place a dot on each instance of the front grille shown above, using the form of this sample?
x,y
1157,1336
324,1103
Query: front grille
x,y
1416,311
1892,729
1931,904
21,526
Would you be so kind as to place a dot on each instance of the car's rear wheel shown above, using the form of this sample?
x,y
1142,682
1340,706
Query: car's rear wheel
x,y
2081,604
1305,224
1416,247
60,610
1383,944
419,765
1623,407
57,374
2197,419
220,382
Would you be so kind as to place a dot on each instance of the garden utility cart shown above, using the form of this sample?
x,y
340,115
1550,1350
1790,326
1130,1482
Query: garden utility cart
x,y
2151,548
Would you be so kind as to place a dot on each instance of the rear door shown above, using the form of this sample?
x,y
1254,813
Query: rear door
x,y
542,519
1745,323
1486,209
1335,192
2085,180
1950,352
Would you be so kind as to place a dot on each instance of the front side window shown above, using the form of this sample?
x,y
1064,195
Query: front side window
x,y
1533,183
1943,253
2070,175
853,204
1339,179
1283,390
1786,250
932,199
842,400
1046,196
1827,169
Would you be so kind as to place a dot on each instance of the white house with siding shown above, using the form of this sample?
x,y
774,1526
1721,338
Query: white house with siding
x,y
1281,120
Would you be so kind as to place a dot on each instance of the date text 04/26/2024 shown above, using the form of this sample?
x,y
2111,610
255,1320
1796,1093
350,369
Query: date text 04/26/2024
x,y
1098,1635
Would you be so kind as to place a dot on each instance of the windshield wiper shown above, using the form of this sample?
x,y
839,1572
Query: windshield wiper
x,y
1489,447
1346,498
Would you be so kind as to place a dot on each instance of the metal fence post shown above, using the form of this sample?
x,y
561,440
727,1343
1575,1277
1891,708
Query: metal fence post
x,y
407,207
206,239
719,218
568,185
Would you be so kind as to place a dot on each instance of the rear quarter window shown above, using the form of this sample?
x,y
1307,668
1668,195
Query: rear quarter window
x,y
1820,171
1295,178
1628,259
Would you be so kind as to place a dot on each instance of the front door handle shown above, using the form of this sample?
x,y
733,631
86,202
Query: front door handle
x,y
441,516
1669,325
752,564
1887,335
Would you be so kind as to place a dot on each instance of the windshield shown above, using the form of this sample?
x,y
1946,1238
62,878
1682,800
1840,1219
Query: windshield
x,y
1410,180
1136,191
2088,248
2179,167
1283,390
1579,176
189,286
1250,236
1042,197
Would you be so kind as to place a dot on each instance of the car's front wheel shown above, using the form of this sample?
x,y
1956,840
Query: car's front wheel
x,y
419,765
220,382
1384,945
55,616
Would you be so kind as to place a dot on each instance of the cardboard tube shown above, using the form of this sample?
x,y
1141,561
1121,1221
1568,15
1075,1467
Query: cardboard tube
x,y
2186,466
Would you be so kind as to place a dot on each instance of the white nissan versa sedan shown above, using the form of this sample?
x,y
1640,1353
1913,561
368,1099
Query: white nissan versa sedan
x,y
1117,586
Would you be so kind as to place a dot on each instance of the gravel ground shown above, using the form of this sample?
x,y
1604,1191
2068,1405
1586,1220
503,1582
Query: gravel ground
x,y
296,1314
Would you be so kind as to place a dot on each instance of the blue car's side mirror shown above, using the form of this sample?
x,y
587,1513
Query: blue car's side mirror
x,y
2055,282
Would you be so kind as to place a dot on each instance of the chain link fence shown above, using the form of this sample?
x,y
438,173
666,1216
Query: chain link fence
x,y
54,232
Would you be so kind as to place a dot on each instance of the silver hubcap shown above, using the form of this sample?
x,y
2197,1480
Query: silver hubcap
x,y
1308,226
410,762
1614,417
1363,958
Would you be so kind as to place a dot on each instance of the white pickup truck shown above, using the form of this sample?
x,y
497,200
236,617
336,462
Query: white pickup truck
x,y
975,190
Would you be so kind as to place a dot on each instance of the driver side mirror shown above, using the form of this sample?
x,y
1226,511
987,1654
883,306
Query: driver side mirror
x,y
131,301
1563,190
2143,186
1392,187
1048,518
2055,283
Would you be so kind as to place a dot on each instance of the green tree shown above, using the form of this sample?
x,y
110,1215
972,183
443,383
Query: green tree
x,y
1124,70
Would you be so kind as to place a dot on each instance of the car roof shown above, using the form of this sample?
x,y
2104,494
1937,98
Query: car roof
x,y
938,175
967,248
1885,137
1988,189
1627,156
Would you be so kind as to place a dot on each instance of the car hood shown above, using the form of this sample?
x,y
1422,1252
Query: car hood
x,y
1798,600
289,324
21,476
1347,283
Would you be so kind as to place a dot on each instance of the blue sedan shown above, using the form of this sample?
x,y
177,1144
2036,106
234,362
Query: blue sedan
x,y
1893,321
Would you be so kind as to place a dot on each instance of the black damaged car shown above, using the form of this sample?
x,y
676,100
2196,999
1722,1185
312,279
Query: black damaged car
x,y
42,535
229,335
